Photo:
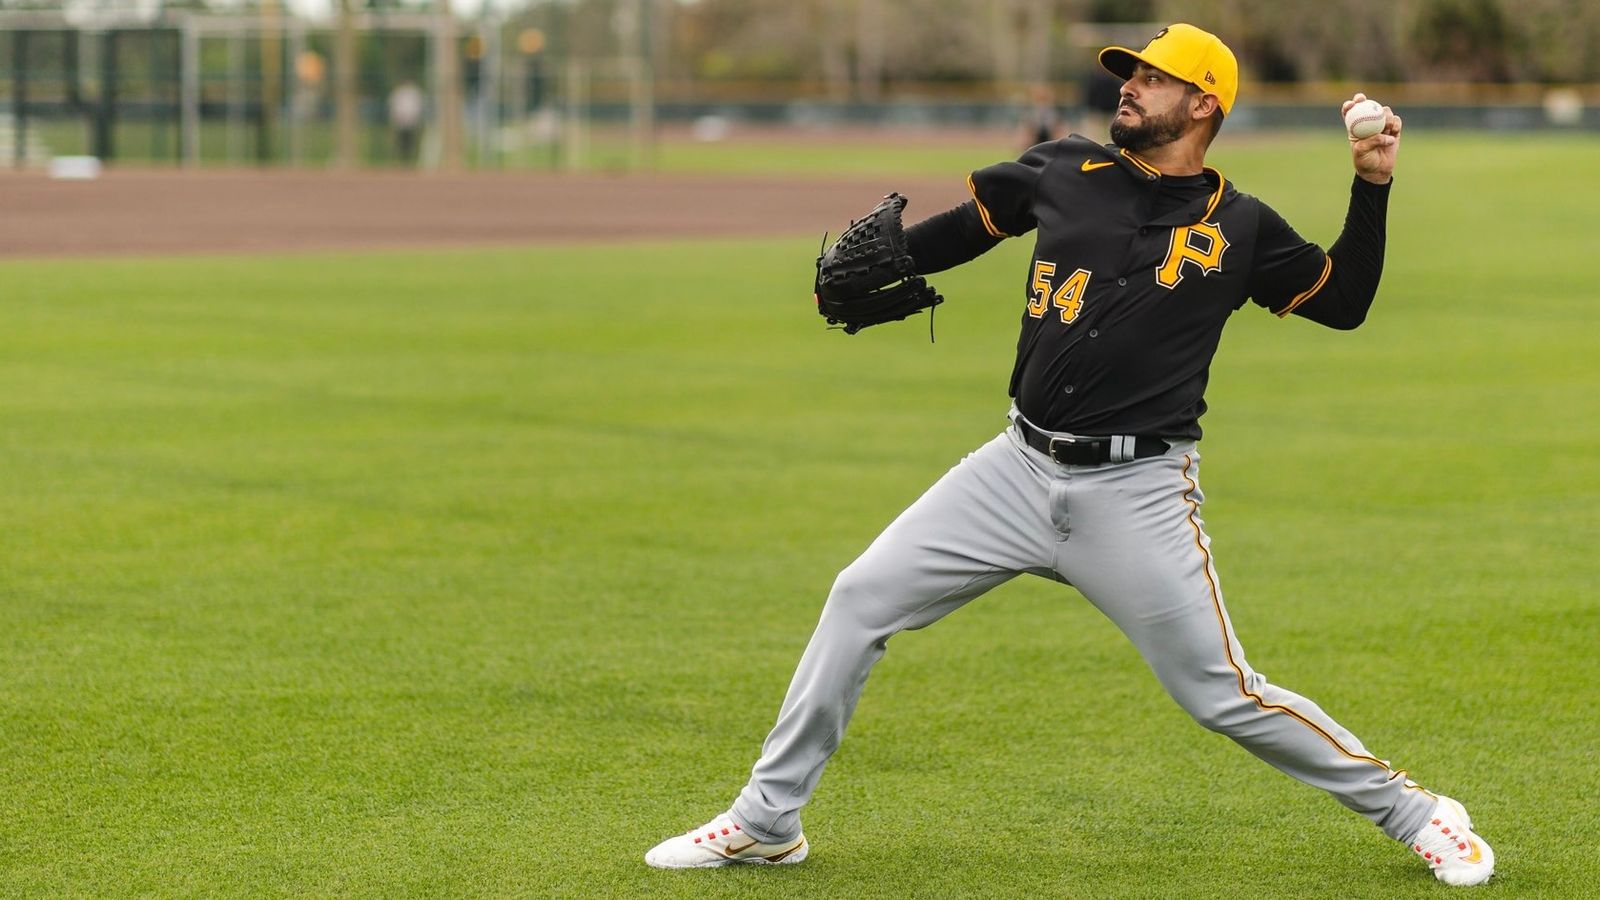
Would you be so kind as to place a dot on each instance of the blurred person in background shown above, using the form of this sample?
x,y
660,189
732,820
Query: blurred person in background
x,y
405,119
1102,95
1041,121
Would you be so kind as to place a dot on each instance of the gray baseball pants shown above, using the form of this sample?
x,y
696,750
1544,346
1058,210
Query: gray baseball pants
x,y
1129,537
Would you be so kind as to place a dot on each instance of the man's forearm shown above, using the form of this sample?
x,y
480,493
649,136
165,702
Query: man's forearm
x,y
1357,260
948,239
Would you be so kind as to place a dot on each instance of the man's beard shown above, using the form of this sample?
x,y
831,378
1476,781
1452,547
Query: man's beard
x,y
1153,131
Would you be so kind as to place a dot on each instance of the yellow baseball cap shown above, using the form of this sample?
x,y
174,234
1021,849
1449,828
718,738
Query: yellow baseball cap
x,y
1184,52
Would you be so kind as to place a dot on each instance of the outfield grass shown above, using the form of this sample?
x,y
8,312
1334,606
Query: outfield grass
x,y
476,573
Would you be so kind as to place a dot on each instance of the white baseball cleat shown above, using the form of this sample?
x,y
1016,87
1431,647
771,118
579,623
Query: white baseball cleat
x,y
1449,846
720,842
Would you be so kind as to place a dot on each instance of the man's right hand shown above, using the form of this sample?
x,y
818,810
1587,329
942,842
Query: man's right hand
x,y
1374,156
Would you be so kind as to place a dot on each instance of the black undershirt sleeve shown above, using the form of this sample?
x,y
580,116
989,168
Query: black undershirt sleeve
x,y
1357,261
948,239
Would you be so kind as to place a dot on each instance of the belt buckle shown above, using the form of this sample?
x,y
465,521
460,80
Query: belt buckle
x,y
1069,441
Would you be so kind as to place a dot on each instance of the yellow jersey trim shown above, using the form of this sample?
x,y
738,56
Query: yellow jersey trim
x,y
1327,269
1216,197
1148,169
983,212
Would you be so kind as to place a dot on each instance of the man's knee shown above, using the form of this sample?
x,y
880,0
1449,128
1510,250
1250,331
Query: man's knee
x,y
866,597
859,585
1213,719
1216,703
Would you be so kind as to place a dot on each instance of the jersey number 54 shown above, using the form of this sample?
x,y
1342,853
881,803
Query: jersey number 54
x,y
1068,296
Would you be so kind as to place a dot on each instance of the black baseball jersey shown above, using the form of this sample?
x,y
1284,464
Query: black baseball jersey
x,y
1132,278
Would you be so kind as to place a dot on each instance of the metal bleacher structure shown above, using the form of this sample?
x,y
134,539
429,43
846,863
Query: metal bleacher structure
x,y
70,61
20,147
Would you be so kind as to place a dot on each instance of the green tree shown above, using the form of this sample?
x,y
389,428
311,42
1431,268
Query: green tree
x,y
1466,40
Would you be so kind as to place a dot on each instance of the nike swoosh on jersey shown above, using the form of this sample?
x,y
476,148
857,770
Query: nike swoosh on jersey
x,y
1091,166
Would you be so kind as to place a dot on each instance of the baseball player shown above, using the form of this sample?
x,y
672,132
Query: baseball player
x,y
1141,254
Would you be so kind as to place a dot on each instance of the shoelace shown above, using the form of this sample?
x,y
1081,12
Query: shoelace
x,y
1435,845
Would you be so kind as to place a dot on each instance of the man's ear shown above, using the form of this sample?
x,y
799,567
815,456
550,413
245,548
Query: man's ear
x,y
1204,106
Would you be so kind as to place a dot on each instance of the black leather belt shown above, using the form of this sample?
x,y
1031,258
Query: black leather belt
x,y
1091,451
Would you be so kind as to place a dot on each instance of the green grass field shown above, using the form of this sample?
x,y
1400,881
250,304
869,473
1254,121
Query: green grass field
x,y
476,573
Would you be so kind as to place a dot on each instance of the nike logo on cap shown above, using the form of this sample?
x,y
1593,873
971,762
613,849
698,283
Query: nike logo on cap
x,y
1091,166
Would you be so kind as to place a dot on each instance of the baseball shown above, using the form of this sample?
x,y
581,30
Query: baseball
x,y
1365,119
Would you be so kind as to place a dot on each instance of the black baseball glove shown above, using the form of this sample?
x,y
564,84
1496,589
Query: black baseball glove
x,y
867,277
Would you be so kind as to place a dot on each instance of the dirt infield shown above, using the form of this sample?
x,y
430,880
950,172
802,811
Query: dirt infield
x,y
156,212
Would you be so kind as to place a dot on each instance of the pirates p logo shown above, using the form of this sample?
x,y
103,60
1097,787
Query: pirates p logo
x,y
1201,244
